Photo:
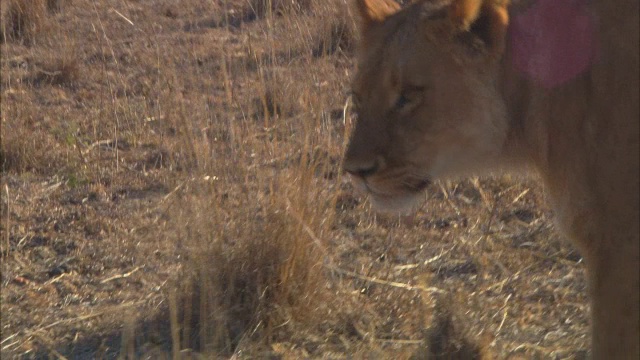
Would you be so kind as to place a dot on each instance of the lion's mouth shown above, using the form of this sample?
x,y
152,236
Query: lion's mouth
x,y
421,185
403,197
404,202
400,187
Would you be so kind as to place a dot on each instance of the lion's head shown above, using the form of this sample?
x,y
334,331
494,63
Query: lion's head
x,y
426,96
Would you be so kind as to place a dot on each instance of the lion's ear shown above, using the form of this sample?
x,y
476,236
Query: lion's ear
x,y
375,11
485,19
463,13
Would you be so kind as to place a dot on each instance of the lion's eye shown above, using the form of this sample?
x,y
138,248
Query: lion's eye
x,y
409,98
402,101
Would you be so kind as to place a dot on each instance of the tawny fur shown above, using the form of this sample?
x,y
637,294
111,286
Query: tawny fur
x,y
435,101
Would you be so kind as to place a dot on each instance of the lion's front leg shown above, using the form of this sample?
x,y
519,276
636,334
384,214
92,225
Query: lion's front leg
x,y
614,286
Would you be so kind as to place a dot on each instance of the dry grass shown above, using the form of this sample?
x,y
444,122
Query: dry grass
x,y
56,70
23,20
261,9
171,187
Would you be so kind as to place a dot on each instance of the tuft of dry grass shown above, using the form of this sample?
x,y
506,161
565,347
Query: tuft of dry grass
x,y
57,5
24,151
337,33
27,148
446,337
23,20
268,8
257,284
56,70
255,266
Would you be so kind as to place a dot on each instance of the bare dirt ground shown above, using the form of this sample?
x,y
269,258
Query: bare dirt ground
x,y
171,188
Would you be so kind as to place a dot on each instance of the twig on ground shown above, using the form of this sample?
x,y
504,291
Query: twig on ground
x,y
173,191
122,16
330,265
55,279
426,262
504,316
386,282
121,276
401,341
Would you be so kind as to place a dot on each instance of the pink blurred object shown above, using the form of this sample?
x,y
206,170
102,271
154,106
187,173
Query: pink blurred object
x,y
554,41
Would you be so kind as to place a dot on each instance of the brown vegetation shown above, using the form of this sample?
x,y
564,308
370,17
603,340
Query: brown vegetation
x,y
23,20
171,186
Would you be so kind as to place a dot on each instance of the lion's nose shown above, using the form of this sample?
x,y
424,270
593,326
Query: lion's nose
x,y
362,169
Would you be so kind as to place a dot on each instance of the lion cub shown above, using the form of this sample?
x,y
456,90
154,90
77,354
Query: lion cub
x,y
451,88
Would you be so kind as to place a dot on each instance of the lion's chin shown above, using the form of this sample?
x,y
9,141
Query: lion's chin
x,y
404,204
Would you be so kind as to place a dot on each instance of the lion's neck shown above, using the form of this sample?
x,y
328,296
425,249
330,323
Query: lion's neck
x,y
550,47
